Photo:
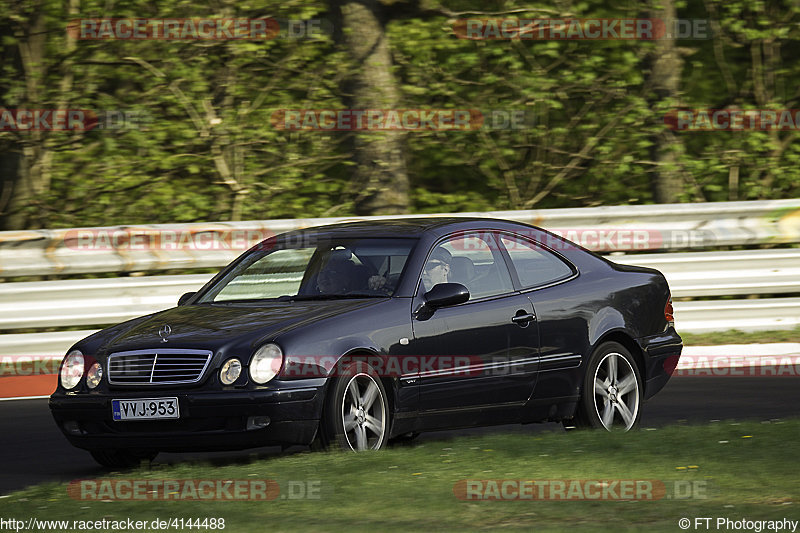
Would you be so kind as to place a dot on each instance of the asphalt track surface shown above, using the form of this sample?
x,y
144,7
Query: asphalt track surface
x,y
34,451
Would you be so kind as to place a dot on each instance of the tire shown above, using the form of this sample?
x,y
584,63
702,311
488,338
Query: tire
x,y
122,458
612,391
356,413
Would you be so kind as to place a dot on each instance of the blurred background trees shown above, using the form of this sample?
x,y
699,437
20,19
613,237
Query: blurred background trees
x,y
206,149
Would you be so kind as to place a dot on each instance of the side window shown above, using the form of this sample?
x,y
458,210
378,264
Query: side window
x,y
472,260
534,265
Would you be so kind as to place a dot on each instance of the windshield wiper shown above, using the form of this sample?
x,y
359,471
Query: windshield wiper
x,y
238,301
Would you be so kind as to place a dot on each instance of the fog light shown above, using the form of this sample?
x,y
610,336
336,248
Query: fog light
x,y
72,427
230,371
257,422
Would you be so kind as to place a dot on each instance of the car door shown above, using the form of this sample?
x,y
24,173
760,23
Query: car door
x,y
544,277
494,335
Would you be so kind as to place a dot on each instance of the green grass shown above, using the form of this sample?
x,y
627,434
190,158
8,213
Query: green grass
x,y
749,470
740,337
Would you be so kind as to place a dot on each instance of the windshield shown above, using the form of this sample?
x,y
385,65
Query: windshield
x,y
336,268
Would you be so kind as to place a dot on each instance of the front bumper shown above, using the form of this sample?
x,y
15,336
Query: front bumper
x,y
662,353
209,420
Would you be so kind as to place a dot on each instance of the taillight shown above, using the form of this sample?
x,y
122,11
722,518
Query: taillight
x,y
669,314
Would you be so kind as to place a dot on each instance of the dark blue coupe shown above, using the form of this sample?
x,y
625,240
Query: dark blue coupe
x,y
357,335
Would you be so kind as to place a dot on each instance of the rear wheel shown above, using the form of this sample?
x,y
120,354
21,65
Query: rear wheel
x,y
356,415
612,390
122,458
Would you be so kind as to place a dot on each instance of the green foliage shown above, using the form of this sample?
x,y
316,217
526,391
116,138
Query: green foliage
x,y
210,152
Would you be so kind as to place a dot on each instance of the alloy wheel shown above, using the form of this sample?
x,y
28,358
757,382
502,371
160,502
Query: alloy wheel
x,y
363,413
616,392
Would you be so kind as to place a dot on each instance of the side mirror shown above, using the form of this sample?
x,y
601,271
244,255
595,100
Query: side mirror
x,y
185,298
444,294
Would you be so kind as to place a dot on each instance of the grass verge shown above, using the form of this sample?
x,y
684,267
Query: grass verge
x,y
737,470
740,337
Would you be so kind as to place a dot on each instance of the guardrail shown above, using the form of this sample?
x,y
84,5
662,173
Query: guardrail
x,y
760,314
95,302
92,302
703,274
607,229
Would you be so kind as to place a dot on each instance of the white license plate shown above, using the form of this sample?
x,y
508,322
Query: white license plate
x,y
145,409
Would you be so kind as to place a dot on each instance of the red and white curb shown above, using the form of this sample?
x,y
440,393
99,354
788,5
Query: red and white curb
x,y
780,359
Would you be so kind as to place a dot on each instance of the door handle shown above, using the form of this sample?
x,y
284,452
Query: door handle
x,y
523,320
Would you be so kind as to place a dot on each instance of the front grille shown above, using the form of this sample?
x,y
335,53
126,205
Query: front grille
x,y
157,367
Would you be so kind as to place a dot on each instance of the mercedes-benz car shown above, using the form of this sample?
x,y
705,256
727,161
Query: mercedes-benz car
x,y
362,334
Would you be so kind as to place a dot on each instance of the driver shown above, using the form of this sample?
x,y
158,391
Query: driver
x,y
436,269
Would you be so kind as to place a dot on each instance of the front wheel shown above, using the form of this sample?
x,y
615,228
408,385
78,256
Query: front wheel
x,y
356,414
612,390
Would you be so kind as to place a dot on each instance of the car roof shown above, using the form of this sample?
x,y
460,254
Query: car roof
x,y
405,227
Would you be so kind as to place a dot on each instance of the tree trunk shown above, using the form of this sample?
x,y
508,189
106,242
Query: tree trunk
x,y
380,172
24,154
665,72
26,159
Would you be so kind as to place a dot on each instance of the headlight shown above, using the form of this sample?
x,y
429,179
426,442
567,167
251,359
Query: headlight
x,y
230,372
94,375
72,369
266,363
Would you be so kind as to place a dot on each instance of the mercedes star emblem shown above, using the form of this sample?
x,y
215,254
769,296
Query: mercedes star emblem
x,y
164,332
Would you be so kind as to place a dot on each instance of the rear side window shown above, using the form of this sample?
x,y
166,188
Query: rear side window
x,y
535,266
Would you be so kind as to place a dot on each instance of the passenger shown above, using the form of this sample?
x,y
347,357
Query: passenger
x,y
336,277
330,281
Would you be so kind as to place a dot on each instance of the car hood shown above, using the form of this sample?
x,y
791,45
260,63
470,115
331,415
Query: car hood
x,y
210,326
